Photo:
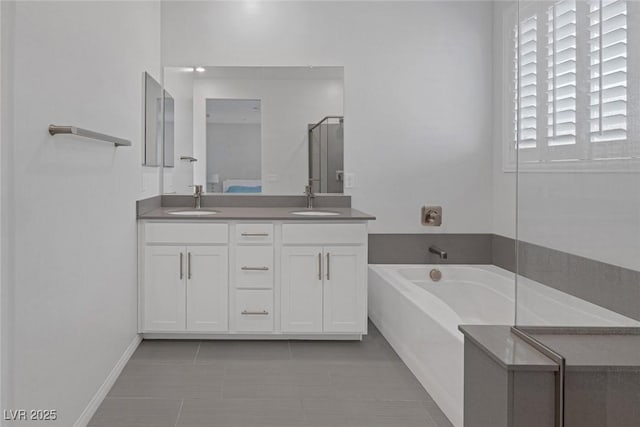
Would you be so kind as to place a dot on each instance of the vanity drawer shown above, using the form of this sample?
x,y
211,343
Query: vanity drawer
x,y
186,233
254,311
305,234
254,233
254,267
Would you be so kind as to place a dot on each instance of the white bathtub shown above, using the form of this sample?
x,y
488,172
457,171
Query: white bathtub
x,y
420,317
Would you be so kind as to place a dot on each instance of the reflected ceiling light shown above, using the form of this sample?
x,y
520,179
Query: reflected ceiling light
x,y
189,69
200,69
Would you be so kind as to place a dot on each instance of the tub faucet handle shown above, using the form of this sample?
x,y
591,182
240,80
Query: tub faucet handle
x,y
432,216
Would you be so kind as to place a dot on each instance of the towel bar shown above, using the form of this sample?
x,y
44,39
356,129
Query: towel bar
x,y
54,130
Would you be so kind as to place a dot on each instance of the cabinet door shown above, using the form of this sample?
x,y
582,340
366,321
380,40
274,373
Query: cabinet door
x,y
344,288
301,309
207,288
164,289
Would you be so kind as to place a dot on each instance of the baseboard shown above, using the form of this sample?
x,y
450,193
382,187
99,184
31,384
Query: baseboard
x,y
102,392
250,336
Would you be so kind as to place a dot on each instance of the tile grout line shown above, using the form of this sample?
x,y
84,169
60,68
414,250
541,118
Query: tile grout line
x,y
179,413
195,358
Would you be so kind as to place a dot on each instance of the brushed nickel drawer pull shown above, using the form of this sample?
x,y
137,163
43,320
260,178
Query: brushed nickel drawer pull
x,y
181,262
255,234
328,266
189,265
245,268
319,266
258,313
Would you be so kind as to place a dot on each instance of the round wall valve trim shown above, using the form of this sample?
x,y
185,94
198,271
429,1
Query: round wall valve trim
x,y
431,216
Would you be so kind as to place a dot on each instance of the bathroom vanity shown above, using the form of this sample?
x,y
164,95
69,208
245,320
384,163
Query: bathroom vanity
x,y
233,250
253,272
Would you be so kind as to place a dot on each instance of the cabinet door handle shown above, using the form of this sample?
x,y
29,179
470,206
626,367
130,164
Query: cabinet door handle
x,y
189,265
245,268
328,266
254,234
319,266
254,313
181,263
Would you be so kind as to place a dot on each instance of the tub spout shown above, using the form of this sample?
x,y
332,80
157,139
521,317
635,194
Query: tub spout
x,y
436,250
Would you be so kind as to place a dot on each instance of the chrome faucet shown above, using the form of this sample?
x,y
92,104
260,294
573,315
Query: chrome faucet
x,y
197,195
310,196
436,250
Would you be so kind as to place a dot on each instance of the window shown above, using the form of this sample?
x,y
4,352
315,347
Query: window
x,y
561,74
608,69
526,82
570,84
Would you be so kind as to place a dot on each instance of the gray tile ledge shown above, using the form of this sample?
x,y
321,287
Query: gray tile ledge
x,y
594,352
580,330
506,349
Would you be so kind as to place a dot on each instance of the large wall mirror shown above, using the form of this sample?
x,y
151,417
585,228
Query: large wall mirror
x,y
248,130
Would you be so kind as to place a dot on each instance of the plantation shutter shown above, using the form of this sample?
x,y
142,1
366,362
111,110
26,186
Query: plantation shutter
x,y
526,82
561,73
608,70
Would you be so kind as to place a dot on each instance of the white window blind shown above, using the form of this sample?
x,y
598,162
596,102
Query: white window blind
x,y
561,73
570,80
608,70
526,82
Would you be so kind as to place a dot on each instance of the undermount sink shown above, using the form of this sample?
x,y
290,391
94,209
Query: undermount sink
x,y
315,213
193,212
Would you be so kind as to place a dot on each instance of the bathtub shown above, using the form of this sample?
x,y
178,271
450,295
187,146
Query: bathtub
x,y
420,317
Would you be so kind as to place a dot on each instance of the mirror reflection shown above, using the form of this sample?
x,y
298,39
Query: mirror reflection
x,y
247,130
326,153
152,121
168,133
234,160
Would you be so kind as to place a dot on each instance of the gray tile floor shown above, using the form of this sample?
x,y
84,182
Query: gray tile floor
x,y
268,383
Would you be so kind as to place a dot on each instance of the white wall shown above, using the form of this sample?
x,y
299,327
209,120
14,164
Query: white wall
x,y
591,214
288,106
417,91
504,184
6,20
73,207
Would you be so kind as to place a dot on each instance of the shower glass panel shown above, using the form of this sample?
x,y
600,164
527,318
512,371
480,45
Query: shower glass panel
x,y
572,144
326,155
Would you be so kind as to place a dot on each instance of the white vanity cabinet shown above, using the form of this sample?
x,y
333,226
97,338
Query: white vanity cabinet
x,y
207,288
345,287
324,286
252,299
302,289
242,279
184,277
164,289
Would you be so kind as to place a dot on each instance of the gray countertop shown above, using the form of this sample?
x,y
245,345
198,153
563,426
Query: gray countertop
x,y
595,351
257,213
511,352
